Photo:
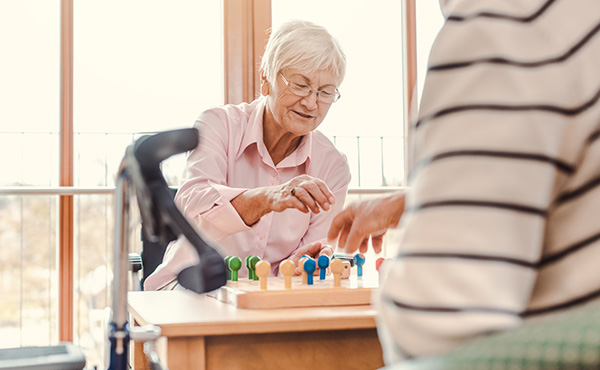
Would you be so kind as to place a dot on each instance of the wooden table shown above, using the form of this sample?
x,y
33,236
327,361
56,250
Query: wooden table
x,y
204,333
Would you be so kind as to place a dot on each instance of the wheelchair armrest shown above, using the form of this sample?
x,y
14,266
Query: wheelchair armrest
x,y
135,266
135,262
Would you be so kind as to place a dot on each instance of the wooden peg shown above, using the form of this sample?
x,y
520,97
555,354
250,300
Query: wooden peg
x,y
337,267
301,266
286,268
262,270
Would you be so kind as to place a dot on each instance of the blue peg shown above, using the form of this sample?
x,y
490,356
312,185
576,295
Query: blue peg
x,y
323,262
359,261
310,266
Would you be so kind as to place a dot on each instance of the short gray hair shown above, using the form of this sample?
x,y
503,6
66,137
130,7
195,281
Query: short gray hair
x,y
305,46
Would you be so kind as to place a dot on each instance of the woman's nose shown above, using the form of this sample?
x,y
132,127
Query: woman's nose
x,y
310,101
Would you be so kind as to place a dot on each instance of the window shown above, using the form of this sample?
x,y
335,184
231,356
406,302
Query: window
x,y
368,120
29,91
29,121
140,66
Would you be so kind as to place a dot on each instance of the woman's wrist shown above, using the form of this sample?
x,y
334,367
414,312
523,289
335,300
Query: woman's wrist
x,y
252,204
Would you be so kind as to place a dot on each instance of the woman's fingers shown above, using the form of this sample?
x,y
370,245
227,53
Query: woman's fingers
x,y
305,193
306,198
314,193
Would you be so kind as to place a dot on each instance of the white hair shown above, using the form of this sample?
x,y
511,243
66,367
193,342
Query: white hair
x,y
305,46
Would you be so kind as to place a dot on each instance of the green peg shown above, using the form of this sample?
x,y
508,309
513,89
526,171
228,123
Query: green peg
x,y
250,270
253,261
227,266
234,264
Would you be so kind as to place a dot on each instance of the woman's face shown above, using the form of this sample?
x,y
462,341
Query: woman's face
x,y
292,113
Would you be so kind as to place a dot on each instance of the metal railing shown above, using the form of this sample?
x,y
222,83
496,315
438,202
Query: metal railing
x,y
375,161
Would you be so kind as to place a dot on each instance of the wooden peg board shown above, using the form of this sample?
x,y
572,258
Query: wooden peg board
x,y
247,293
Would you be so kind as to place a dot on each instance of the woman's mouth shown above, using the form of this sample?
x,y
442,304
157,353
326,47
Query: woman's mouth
x,y
305,116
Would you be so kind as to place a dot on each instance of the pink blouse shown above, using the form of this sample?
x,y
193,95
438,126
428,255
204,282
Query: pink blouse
x,y
232,158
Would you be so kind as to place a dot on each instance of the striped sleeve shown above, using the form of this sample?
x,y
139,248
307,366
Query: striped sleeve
x,y
508,115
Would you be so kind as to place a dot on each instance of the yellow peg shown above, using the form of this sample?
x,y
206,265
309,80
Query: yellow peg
x,y
262,270
286,268
337,267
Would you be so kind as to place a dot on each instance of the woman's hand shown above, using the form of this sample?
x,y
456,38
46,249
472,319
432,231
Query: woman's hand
x,y
313,250
304,193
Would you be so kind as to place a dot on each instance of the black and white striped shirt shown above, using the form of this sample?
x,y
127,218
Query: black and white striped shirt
x,y
502,223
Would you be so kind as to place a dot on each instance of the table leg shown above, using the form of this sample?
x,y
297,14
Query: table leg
x,y
186,353
140,362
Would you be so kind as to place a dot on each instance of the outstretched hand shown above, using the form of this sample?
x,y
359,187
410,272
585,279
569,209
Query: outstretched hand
x,y
313,250
366,219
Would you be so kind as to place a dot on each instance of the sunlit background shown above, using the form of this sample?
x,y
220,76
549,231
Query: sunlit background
x,y
143,66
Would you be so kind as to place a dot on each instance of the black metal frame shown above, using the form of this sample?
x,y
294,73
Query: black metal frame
x,y
140,172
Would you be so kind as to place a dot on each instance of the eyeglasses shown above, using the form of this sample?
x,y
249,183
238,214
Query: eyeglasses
x,y
327,95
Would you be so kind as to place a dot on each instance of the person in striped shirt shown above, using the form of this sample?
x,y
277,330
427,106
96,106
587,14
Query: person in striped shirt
x,y
501,216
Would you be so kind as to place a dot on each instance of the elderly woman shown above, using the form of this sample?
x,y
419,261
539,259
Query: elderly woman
x,y
263,181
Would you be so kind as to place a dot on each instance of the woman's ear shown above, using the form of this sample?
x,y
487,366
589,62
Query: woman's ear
x,y
264,84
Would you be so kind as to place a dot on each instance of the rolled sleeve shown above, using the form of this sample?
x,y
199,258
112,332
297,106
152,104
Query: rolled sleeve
x,y
222,220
